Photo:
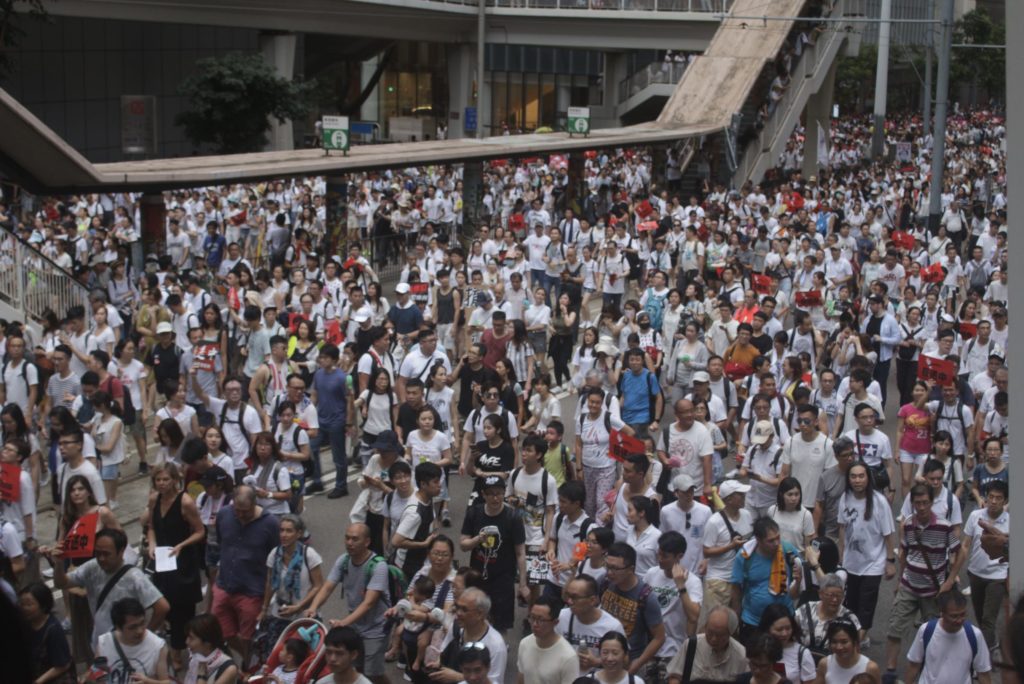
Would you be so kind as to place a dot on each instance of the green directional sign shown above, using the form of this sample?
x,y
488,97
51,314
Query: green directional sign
x,y
579,120
335,132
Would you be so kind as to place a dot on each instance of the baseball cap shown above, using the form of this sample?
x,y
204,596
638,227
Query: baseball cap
x,y
360,317
492,481
164,327
683,483
215,475
402,288
876,298
762,433
482,298
701,376
730,487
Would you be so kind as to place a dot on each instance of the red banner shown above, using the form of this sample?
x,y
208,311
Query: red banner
x,y
903,240
933,273
332,333
939,371
621,445
419,288
762,284
968,330
735,371
644,209
647,226
808,298
81,538
10,482
516,222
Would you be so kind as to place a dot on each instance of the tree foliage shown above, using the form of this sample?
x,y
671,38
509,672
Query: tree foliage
x,y
11,31
855,79
232,98
985,67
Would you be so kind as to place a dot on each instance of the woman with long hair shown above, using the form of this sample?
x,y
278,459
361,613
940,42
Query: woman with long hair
x,y
293,443
867,542
584,357
438,394
378,407
295,577
511,392
561,329
14,427
213,329
303,348
536,316
378,303
170,438
494,453
134,376
177,409
795,522
914,433
271,480
174,521
108,432
428,444
519,350
797,660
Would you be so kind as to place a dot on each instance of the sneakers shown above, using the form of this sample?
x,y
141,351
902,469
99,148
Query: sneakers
x,y
890,677
446,518
865,643
315,488
143,468
65,624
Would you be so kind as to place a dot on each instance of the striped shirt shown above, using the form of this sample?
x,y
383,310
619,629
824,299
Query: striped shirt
x,y
934,545
57,387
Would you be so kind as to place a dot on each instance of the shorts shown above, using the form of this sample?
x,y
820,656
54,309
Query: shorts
x,y
236,613
916,459
539,342
444,335
212,556
109,473
537,566
137,429
373,657
905,612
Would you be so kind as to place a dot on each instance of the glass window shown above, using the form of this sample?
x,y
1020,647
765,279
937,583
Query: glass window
x,y
499,100
532,101
548,106
515,101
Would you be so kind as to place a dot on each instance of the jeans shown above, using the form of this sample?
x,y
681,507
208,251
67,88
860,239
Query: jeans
x,y
314,469
553,288
335,436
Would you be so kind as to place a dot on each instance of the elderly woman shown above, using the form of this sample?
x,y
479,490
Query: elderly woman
x,y
815,617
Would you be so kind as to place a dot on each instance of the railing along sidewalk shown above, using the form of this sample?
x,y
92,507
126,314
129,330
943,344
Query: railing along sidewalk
x,y
32,283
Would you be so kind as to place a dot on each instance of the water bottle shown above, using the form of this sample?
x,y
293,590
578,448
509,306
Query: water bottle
x,y
100,671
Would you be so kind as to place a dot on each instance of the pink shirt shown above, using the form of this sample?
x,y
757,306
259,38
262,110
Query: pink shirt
x,y
916,429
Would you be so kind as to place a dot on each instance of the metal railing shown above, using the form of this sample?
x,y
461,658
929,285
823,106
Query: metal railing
x,y
32,283
668,73
760,153
708,6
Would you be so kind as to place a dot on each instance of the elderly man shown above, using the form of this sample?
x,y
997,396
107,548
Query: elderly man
x,y
686,446
712,656
471,611
247,535
106,580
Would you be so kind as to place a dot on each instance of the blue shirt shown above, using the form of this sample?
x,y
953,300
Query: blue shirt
x,y
244,550
406,319
752,574
330,397
637,391
214,247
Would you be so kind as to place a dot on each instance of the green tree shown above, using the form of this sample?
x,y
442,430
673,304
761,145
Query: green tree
x,y
855,79
985,67
11,32
232,99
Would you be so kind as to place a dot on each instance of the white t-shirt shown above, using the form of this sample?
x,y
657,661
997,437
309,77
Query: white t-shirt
x,y
281,483
556,664
550,410
87,470
595,436
579,634
646,546
864,551
807,461
291,439
529,489
236,442
497,647
940,507
673,518
874,449
311,559
673,617
794,525
717,534
798,669
142,657
949,658
378,411
17,380
131,376
103,431
183,418
980,563
424,450
689,446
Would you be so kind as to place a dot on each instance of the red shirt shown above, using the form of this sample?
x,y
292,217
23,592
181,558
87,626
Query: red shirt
x,y
495,346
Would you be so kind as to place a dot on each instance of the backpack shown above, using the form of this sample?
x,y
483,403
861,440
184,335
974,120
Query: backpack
x,y
543,488
584,528
369,398
776,424
397,581
270,475
655,307
633,259
25,363
240,422
607,415
972,639
129,406
959,416
978,279
478,416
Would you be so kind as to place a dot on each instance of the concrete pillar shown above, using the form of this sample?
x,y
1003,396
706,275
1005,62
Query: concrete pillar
x,y
819,110
563,100
337,212
1015,345
472,194
279,51
370,111
154,228
461,72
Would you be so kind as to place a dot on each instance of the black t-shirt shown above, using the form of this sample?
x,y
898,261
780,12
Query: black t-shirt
x,y
165,362
763,343
874,328
408,416
501,457
467,376
496,556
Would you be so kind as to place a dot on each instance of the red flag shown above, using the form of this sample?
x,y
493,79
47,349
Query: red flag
x,y
590,154
808,298
516,222
621,445
735,371
903,240
644,209
933,274
762,284
332,333
81,538
968,330
647,226
10,482
939,371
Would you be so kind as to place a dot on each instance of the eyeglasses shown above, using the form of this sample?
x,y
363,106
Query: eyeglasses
x,y
537,618
614,568
474,646
573,597
804,421
66,442
491,395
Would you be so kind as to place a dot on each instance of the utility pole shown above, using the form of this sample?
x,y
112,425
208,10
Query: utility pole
x,y
928,49
480,38
881,79
941,108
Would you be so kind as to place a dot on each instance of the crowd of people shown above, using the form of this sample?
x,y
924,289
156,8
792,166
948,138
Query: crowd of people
x,y
670,408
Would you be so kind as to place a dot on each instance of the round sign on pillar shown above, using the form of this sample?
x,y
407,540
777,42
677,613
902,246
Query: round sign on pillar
x,y
335,133
579,120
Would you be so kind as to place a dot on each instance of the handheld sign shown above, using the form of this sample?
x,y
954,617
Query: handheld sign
x,y
644,209
968,330
762,284
205,357
621,445
81,538
933,274
647,226
10,482
939,371
903,240
808,298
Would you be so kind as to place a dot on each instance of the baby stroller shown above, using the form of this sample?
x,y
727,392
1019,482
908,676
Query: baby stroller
x,y
311,631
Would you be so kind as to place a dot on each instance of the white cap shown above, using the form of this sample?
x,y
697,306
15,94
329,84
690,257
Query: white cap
x,y
164,327
683,483
762,433
360,316
730,487
402,288
701,376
